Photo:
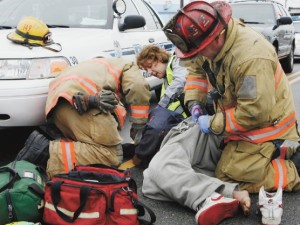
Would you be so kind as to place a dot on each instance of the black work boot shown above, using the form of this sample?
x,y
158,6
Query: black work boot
x,y
296,159
35,150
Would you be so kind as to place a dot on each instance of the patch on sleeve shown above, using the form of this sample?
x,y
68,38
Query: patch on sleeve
x,y
248,88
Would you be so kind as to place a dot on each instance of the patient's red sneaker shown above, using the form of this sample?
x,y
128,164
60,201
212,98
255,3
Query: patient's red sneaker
x,y
215,209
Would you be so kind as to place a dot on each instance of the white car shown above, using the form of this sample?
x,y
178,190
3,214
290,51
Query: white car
x,y
297,38
85,29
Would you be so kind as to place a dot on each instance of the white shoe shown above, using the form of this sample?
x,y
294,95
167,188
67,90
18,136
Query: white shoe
x,y
270,205
215,209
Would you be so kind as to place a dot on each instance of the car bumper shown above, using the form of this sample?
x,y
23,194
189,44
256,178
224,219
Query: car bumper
x,y
22,102
297,50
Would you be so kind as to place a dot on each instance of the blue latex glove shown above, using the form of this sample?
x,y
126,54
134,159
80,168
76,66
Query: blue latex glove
x,y
204,122
196,111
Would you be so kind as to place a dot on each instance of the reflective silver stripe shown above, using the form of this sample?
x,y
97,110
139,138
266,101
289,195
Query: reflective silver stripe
x,y
273,132
259,136
82,215
91,87
280,170
232,127
139,111
69,155
197,83
128,211
109,67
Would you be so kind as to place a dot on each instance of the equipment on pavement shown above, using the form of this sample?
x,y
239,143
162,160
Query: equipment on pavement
x,y
94,194
196,25
21,192
270,205
215,209
104,100
35,150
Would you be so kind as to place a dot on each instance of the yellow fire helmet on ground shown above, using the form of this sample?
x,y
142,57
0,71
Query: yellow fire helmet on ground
x,y
32,32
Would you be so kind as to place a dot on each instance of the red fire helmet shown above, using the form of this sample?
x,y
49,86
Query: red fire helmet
x,y
196,25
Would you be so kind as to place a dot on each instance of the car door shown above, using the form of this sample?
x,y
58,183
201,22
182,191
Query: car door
x,y
284,32
289,31
129,42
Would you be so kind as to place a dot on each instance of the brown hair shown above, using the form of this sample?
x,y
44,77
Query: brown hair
x,y
151,53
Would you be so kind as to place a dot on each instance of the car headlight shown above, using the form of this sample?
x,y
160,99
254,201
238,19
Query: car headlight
x,y
29,69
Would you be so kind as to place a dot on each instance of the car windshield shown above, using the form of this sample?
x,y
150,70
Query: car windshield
x,y
57,13
297,27
254,14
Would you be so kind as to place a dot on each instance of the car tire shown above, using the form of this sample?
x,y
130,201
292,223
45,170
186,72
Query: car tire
x,y
288,62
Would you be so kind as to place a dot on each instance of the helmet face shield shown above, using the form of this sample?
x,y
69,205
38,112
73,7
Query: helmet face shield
x,y
177,40
48,38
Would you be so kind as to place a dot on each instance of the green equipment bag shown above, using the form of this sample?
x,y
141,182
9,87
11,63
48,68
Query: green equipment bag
x,y
21,192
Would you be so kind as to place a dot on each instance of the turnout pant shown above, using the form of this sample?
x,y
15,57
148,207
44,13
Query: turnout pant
x,y
91,138
252,166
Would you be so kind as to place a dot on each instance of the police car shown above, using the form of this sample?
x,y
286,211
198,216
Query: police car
x,y
81,29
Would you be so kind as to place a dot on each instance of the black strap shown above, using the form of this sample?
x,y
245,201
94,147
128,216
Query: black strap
x,y
37,190
211,75
29,36
15,177
141,208
55,195
185,109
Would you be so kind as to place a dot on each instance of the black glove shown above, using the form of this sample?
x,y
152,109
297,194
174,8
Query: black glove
x,y
80,102
105,101
136,131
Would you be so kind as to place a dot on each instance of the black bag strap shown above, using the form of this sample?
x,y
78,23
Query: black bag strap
x,y
55,195
15,177
37,190
141,207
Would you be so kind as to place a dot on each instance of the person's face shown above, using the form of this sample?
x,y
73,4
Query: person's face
x,y
157,69
212,50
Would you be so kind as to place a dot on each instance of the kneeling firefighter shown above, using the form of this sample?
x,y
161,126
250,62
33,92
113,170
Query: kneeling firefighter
x,y
85,102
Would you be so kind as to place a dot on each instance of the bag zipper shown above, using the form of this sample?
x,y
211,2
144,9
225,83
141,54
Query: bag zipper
x,y
11,211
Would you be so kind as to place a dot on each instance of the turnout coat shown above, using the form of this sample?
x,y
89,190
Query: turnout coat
x,y
255,112
94,137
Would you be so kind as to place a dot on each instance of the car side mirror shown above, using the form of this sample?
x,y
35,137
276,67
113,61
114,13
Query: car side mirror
x,y
131,22
285,20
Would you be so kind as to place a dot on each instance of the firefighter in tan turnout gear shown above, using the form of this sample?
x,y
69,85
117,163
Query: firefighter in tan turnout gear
x,y
254,115
85,103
